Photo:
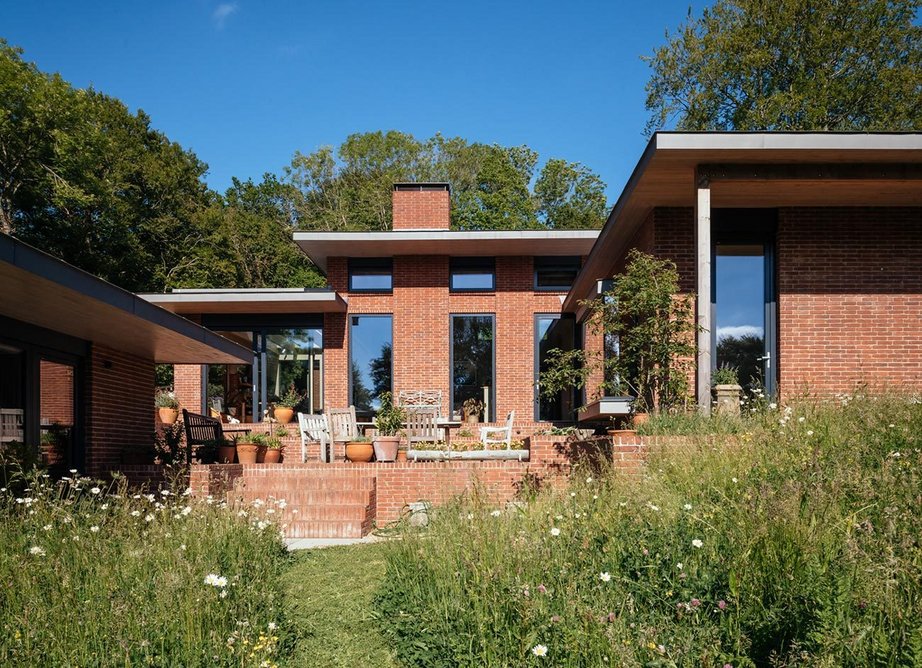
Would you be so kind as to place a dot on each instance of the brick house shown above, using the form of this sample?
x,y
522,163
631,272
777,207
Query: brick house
x,y
77,359
809,246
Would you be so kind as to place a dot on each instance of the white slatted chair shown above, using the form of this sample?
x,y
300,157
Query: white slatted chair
x,y
496,435
313,429
11,425
341,426
422,426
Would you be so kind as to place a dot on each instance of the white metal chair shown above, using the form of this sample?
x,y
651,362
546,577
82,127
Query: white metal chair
x,y
488,435
313,429
11,425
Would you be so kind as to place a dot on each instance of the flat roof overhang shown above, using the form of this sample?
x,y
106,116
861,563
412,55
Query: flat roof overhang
x,y
755,170
320,246
41,290
255,301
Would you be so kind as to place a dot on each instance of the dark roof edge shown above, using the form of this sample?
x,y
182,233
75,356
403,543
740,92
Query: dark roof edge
x,y
46,266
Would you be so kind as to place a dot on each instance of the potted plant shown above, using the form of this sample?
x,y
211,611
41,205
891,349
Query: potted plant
x,y
286,405
359,449
727,389
639,414
247,449
388,421
167,407
472,407
227,452
273,445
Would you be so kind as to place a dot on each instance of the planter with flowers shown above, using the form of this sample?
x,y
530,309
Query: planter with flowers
x,y
270,447
472,408
286,405
388,421
167,407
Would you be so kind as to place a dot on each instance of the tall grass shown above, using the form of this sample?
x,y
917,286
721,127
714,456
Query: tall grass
x,y
797,545
97,576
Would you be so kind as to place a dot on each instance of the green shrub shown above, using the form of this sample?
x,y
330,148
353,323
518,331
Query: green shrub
x,y
796,545
95,576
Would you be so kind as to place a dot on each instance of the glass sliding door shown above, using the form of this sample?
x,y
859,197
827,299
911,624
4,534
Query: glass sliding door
x,y
370,361
12,394
58,415
472,363
553,332
294,359
744,301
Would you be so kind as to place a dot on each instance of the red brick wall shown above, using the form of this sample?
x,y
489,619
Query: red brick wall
x,y
187,386
421,210
119,413
421,305
850,293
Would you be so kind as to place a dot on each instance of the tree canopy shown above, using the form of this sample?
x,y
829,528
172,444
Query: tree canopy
x,y
84,178
808,65
350,188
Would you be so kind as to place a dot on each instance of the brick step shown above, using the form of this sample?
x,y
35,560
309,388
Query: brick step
x,y
338,512
327,529
308,497
307,482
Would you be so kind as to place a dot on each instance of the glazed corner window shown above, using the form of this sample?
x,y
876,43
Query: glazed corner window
x,y
470,274
555,273
371,275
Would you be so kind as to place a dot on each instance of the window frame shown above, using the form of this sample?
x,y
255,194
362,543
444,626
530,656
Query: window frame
x,y
350,324
465,265
451,361
371,266
555,262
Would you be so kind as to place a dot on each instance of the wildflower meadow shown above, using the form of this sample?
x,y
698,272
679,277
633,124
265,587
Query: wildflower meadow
x,y
794,542
95,575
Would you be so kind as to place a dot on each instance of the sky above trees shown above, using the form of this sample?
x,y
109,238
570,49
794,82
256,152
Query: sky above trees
x,y
244,84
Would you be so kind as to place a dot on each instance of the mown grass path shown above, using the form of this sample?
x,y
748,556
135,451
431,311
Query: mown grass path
x,y
330,594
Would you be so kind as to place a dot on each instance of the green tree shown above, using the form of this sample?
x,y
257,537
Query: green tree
x,y
570,196
813,65
349,188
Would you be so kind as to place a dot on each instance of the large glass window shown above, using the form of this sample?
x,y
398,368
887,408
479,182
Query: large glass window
x,y
370,361
740,310
470,274
57,409
472,355
12,394
555,273
553,332
282,357
371,275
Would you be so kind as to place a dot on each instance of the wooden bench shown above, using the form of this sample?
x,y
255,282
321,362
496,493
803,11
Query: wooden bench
x,y
201,429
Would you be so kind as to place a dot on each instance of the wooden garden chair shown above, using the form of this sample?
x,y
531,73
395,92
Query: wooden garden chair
x,y
313,429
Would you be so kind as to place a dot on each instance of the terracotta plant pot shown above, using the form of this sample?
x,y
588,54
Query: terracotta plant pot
x,y
226,454
246,453
386,448
472,418
283,414
261,454
359,451
272,456
639,419
401,455
167,415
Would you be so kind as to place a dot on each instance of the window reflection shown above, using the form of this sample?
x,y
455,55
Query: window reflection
x,y
472,363
740,310
551,333
12,392
370,361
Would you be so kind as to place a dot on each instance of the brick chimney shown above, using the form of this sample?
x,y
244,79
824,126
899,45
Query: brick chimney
x,y
422,206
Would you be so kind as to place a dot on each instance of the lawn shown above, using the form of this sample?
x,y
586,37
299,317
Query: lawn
x,y
330,595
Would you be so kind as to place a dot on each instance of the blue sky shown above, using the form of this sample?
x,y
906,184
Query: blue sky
x,y
245,83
